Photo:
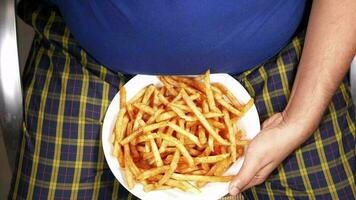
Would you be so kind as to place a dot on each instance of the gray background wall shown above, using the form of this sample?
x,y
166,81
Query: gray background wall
x,y
25,35
353,79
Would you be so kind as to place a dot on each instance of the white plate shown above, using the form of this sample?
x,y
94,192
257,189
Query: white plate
x,y
250,123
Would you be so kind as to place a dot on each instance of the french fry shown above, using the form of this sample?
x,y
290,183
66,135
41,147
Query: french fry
x,y
148,94
238,133
206,152
171,81
129,178
119,122
137,121
162,99
131,137
122,97
138,95
205,166
181,107
178,97
216,90
187,134
226,105
166,116
189,125
112,138
243,142
186,170
248,105
211,142
156,101
164,144
208,92
211,171
231,134
130,111
168,86
191,82
212,115
216,124
175,142
172,168
222,166
177,84
195,96
171,149
123,128
202,136
147,147
159,140
154,126
130,168
150,187
181,114
116,149
134,169
121,157
154,179
199,172
229,95
154,117
156,153
145,108
152,172
181,136
211,159
202,119
174,83
205,106
177,184
194,152
185,177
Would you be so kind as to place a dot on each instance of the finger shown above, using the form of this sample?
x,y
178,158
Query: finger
x,y
248,170
255,181
260,177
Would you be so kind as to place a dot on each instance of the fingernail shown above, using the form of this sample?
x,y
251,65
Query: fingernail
x,y
234,190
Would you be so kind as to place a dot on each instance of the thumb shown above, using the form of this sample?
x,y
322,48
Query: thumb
x,y
249,169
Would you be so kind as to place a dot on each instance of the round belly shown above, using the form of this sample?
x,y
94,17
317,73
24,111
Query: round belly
x,y
182,37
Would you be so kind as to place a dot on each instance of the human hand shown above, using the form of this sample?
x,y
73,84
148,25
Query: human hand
x,y
277,139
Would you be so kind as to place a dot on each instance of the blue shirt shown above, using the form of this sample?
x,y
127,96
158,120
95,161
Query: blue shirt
x,y
182,36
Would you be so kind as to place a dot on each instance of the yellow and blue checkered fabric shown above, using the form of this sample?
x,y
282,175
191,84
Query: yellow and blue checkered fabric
x,y
66,94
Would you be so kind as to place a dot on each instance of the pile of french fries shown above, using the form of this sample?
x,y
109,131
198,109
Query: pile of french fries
x,y
179,135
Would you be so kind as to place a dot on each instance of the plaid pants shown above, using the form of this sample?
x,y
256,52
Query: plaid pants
x,y
66,94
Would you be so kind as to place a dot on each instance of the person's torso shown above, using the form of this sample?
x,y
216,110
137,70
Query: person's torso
x,y
182,37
